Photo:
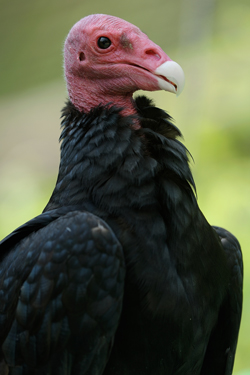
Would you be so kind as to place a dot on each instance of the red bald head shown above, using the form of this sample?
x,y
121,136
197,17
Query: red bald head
x,y
107,59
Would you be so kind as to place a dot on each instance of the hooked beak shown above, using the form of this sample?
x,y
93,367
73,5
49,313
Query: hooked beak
x,y
170,77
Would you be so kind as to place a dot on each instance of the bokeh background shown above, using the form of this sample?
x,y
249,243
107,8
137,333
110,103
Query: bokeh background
x,y
210,39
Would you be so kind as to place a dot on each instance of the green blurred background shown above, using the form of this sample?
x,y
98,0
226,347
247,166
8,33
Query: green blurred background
x,y
210,39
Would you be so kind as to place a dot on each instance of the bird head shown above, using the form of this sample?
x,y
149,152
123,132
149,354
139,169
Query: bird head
x,y
107,59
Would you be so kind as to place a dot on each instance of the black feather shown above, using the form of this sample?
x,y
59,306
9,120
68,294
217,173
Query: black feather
x,y
124,194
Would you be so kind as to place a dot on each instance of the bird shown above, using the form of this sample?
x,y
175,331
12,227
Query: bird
x,y
121,273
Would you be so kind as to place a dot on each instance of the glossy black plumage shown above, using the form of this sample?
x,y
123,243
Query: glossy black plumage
x,y
123,194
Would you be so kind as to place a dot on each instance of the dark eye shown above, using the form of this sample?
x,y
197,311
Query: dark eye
x,y
104,42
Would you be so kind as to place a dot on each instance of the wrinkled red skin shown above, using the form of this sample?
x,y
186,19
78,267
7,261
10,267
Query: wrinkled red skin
x,y
109,76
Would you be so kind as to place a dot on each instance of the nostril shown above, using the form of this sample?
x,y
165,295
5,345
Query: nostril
x,y
151,52
81,56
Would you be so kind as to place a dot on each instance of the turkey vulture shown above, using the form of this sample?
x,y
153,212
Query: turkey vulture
x,y
121,274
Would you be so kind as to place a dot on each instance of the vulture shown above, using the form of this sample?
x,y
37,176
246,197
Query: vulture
x,y
121,274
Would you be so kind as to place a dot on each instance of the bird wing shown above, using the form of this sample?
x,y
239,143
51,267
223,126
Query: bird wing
x,y
61,290
31,226
219,357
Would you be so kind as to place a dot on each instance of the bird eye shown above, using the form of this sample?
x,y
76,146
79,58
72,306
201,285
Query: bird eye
x,y
104,42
